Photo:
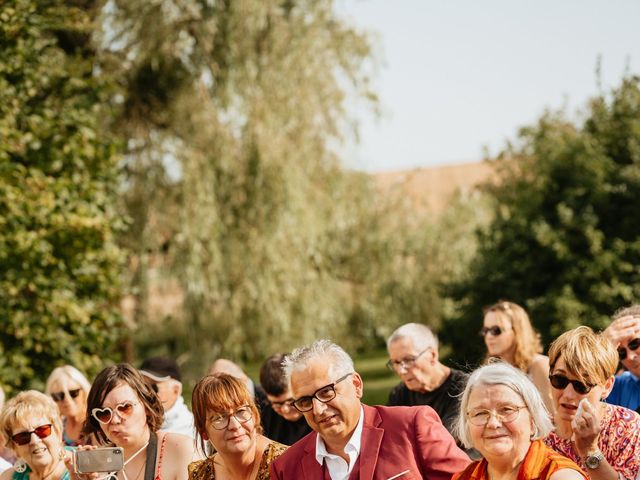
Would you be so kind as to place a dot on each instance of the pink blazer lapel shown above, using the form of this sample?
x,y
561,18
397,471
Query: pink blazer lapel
x,y
371,440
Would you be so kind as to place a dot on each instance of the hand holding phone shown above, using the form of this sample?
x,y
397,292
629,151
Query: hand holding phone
x,y
109,459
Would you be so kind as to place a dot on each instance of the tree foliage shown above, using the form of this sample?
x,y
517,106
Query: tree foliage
x,y
564,241
58,259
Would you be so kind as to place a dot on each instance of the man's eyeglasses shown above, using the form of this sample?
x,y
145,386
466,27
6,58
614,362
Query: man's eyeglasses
x,y
59,396
560,382
405,363
242,415
505,414
324,394
493,331
285,403
22,438
105,415
632,346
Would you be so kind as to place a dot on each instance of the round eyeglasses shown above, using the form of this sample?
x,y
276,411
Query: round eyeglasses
x,y
242,415
504,414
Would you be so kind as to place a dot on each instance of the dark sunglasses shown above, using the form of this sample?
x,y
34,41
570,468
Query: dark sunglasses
x,y
632,345
560,382
22,438
494,331
59,396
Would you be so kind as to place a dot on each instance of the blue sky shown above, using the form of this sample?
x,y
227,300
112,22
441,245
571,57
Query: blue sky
x,y
458,76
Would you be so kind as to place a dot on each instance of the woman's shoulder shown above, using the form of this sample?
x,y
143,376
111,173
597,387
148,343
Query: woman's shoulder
x,y
202,469
274,450
176,441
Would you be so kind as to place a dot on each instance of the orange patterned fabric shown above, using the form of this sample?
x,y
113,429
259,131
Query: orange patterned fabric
x,y
539,464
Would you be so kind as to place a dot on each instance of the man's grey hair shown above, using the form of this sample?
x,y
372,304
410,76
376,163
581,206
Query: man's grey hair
x,y
421,336
339,361
630,311
501,373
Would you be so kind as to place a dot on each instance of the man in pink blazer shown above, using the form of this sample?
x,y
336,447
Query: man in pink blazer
x,y
355,441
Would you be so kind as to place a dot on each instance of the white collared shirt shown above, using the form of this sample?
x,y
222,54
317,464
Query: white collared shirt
x,y
338,468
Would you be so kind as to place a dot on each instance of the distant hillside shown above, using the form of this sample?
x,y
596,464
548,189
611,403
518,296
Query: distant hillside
x,y
431,188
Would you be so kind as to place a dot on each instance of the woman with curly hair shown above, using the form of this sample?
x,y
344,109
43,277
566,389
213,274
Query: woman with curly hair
x,y
509,335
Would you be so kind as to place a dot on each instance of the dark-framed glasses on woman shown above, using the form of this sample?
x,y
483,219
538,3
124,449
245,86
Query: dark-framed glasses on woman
x,y
22,438
59,396
560,382
242,415
631,346
493,331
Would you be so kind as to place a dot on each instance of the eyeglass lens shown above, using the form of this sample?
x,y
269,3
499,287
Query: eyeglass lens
x,y
560,382
324,394
505,414
105,415
22,438
59,396
242,415
494,331
632,345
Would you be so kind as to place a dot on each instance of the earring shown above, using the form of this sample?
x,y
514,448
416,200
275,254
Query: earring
x,y
61,453
20,466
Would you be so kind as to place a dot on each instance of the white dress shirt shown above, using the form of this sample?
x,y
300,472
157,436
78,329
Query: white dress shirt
x,y
338,468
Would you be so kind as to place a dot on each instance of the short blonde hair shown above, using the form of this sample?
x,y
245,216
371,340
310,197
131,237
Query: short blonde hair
x,y
26,405
63,375
590,356
527,340
502,373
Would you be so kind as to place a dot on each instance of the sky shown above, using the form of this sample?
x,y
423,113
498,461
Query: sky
x,y
459,76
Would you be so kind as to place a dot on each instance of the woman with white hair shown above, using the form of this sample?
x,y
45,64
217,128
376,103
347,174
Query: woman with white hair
x,y
69,389
503,417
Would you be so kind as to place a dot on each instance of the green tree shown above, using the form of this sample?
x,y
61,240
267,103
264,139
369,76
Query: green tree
x,y
58,177
564,241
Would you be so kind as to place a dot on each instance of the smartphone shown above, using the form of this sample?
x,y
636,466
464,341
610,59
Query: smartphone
x,y
109,459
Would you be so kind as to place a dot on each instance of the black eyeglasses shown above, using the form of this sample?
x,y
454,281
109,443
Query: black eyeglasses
x,y
560,382
285,403
493,331
324,394
405,363
59,396
22,438
632,345
242,415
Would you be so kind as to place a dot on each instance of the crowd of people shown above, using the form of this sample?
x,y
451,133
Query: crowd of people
x,y
571,415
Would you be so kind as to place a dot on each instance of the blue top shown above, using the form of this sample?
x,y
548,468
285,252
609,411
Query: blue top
x,y
626,391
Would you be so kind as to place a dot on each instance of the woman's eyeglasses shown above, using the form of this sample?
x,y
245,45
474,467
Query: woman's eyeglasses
x,y
22,438
242,415
632,346
59,396
505,414
493,331
560,382
105,415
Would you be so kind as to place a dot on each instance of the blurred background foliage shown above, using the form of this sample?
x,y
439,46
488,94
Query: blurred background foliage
x,y
212,132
